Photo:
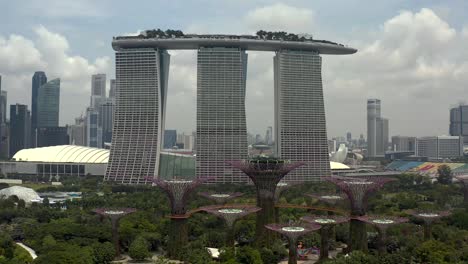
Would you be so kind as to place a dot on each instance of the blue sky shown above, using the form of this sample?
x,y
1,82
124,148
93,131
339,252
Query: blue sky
x,y
411,54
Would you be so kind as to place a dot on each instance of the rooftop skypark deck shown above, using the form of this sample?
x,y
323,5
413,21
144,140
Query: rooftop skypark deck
x,y
262,41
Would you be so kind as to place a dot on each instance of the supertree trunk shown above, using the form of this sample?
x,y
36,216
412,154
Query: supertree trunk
x,y
292,252
267,215
357,236
324,242
115,236
381,245
230,237
178,236
427,231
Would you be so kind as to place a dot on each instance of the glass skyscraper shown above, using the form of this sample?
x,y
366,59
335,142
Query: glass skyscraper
x,y
20,124
48,104
39,78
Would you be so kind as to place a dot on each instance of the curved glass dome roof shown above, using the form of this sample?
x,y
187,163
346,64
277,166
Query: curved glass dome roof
x,y
26,194
63,153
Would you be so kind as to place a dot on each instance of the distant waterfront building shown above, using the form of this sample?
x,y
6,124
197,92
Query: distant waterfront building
x,y
170,138
98,85
4,130
20,128
300,126
93,130
48,104
221,122
332,146
52,136
439,147
106,119
403,143
269,136
459,122
141,78
377,129
77,132
112,89
349,137
39,78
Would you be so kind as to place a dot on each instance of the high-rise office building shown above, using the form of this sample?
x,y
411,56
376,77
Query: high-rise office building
x,y
377,129
404,143
459,122
221,123
170,138
269,136
106,119
77,132
141,78
93,130
39,78
98,90
20,128
52,136
48,104
4,131
349,137
440,147
112,89
300,127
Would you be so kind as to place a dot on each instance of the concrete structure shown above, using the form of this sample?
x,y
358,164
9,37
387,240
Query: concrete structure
x,y
221,123
4,130
377,129
77,132
20,128
300,126
39,78
113,88
142,76
404,143
459,122
48,104
98,90
141,72
440,147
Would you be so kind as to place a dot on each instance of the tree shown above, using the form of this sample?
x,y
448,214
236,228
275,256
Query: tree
x,y
445,174
103,252
139,249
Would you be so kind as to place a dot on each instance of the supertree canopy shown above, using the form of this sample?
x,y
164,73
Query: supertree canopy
x,y
178,192
230,215
332,199
293,232
358,191
265,173
220,198
283,186
115,215
382,223
429,218
463,179
327,222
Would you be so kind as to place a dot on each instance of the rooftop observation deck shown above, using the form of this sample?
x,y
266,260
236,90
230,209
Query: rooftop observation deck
x,y
246,42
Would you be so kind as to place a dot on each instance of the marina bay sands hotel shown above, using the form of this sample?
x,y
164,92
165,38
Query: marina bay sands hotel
x,y
142,71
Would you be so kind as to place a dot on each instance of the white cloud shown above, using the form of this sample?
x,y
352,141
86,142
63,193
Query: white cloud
x,y
280,16
50,52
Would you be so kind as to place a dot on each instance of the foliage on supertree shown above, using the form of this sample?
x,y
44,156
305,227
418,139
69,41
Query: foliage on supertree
x,y
115,215
358,191
429,217
382,223
178,192
292,232
265,173
220,198
230,215
283,186
463,179
327,222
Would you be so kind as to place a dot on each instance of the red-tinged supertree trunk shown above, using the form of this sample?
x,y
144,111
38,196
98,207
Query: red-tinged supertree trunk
x,y
358,191
292,232
178,192
382,223
230,215
463,179
429,218
265,174
220,198
115,215
327,222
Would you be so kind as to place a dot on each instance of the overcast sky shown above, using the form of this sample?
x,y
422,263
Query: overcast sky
x,y
412,55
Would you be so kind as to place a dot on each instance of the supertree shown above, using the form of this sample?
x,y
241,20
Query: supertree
x,y
265,173
220,198
327,222
358,191
280,188
382,223
429,218
230,214
332,199
178,192
293,232
115,215
463,179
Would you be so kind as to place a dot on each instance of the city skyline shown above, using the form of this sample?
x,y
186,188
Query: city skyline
x,y
418,75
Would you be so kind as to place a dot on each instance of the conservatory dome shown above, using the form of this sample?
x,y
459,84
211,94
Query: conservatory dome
x,y
23,193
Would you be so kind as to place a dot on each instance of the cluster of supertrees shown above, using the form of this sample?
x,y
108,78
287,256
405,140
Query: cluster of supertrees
x,y
266,174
